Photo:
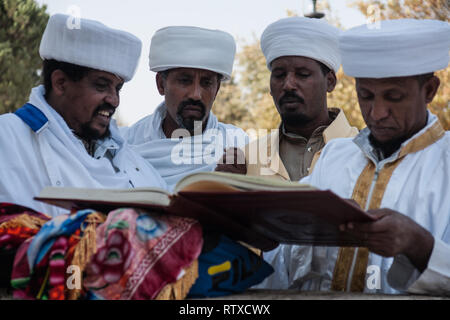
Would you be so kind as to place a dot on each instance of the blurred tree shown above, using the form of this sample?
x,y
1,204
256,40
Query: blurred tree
x,y
245,101
253,107
255,100
417,9
22,23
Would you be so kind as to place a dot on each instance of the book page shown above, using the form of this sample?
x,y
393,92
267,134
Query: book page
x,y
110,196
220,181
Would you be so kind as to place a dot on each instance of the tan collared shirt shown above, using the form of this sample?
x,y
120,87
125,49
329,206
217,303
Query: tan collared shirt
x,y
291,157
297,152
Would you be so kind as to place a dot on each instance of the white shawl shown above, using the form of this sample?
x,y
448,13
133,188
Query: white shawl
x,y
175,158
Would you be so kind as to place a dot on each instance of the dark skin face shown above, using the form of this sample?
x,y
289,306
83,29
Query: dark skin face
x,y
299,90
189,97
394,109
86,105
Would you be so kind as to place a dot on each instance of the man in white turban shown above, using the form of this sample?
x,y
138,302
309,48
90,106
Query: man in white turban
x,y
64,136
190,63
397,168
303,57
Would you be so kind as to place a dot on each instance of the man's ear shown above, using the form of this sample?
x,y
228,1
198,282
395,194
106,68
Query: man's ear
x,y
59,82
331,81
431,87
218,88
160,83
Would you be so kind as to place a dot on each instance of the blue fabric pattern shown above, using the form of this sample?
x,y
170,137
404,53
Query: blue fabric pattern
x,y
32,116
228,268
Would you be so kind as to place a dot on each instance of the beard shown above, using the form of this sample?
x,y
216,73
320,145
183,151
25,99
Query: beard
x,y
88,133
295,119
190,123
387,147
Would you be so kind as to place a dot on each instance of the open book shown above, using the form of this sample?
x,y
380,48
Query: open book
x,y
259,211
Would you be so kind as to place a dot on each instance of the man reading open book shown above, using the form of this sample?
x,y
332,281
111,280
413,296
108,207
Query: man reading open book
x,y
397,169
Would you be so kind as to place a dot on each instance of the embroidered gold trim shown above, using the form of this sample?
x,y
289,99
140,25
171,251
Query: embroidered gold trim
x,y
360,193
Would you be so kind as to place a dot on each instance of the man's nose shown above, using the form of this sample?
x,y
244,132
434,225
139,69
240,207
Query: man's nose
x,y
289,83
195,92
379,109
113,99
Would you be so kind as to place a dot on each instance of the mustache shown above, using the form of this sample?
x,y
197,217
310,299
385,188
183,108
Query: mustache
x,y
292,97
106,106
191,102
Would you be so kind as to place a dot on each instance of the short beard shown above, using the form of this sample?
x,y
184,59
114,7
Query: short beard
x,y
88,134
295,120
388,147
189,123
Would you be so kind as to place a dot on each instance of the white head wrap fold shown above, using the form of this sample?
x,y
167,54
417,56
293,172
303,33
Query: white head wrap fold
x,y
395,48
299,36
91,44
192,47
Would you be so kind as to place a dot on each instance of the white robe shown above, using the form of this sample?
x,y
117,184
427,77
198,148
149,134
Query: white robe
x,y
51,155
419,188
175,158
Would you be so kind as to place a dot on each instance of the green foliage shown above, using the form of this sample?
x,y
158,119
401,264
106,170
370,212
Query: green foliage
x,y
22,23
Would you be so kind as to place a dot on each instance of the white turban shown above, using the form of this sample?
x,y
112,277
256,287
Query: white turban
x,y
395,48
91,44
192,47
299,36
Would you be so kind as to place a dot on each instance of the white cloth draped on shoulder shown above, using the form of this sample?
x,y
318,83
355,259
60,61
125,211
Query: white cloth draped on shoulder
x,y
176,157
54,156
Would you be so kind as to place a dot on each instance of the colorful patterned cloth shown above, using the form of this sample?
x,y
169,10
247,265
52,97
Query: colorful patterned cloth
x,y
139,253
41,262
18,223
127,254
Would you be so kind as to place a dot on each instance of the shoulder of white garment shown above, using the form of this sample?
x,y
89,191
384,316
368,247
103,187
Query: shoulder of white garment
x,y
11,126
336,152
136,133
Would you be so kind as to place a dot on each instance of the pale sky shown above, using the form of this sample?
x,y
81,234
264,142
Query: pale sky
x,y
244,19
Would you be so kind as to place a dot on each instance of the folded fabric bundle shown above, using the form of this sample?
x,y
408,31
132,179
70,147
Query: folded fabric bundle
x,y
41,262
140,253
228,267
126,254
17,223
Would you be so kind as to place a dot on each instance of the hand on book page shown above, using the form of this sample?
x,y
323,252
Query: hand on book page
x,y
233,161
